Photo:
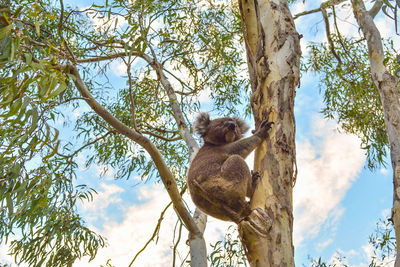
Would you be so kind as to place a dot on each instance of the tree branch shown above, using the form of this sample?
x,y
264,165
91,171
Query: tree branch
x,y
162,137
176,110
328,34
88,144
155,232
165,173
177,243
325,5
196,240
112,56
157,229
131,98
307,12
375,8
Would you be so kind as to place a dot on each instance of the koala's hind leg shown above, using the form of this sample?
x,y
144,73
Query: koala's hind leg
x,y
237,178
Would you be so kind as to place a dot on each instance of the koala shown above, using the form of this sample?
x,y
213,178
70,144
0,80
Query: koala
x,y
219,179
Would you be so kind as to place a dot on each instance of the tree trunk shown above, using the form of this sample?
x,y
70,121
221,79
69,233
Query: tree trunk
x,y
273,55
387,86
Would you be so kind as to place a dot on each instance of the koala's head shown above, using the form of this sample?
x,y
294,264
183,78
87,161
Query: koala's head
x,y
219,131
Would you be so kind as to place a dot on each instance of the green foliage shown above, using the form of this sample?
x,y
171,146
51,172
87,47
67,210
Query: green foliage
x,y
229,252
39,40
383,240
350,95
37,200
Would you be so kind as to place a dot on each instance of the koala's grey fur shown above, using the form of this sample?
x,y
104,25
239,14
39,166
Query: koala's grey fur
x,y
219,179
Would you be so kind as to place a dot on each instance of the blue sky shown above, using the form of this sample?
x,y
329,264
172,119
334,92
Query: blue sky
x,y
337,200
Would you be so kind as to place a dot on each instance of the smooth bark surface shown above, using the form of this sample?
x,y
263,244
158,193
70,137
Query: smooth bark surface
x,y
198,249
273,55
165,173
387,86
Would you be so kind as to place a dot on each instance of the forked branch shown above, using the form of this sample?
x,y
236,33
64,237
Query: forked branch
x,y
164,171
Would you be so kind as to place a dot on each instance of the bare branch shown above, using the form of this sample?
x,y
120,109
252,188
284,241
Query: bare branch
x,y
60,22
325,5
157,229
164,171
307,12
131,98
196,239
160,130
88,144
375,8
112,56
176,110
177,242
155,233
328,35
162,137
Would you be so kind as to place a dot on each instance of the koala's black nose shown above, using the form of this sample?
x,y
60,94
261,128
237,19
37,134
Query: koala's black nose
x,y
231,125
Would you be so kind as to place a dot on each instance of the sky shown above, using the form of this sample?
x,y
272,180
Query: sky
x,y
337,201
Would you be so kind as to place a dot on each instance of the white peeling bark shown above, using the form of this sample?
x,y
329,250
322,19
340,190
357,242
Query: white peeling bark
x,y
195,229
273,55
198,248
387,86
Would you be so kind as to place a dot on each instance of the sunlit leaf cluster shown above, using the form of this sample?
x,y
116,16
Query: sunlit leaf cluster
x,y
196,44
350,95
229,251
383,240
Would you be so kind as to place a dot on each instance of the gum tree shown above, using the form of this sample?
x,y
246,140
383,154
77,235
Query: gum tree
x,y
361,90
55,58
273,58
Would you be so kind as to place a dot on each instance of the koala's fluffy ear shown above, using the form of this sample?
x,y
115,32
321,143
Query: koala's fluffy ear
x,y
201,123
242,125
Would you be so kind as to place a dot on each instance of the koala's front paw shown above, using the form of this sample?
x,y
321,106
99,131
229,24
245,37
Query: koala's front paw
x,y
264,128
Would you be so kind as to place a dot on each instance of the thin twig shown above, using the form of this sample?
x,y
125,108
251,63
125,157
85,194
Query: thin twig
x,y
177,242
375,8
307,12
157,229
88,144
325,5
131,98
161,130
328,35
162,137
338,31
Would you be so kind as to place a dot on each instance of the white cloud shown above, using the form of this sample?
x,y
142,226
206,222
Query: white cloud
x,y
326,171
118,67
384,171
5,258
368,250
103,198
322,245
115,22
299,7
125,239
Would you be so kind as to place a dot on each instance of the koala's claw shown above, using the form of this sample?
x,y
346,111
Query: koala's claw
x,y
264,128
266,124
255,175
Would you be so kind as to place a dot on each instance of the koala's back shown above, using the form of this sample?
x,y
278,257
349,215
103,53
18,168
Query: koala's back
x,y
208,188
207,163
